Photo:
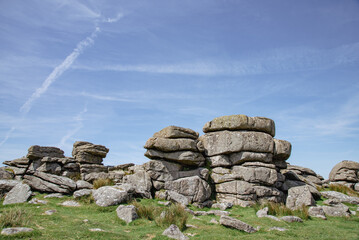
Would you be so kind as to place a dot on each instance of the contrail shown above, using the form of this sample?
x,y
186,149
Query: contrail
x,y
59,70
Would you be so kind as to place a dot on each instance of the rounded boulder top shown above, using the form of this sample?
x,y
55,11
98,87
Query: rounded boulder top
x,y
176,132
241,122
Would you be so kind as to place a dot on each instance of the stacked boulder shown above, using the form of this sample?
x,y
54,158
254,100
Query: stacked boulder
x,y
345,173
245,158
89,157
176,165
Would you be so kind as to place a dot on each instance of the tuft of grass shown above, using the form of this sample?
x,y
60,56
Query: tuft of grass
x,y
146,211
174,214
102,182
14,217
86,199
76,177
279,209
343,189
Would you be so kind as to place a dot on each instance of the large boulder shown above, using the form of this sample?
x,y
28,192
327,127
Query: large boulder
x,y
141,181
175,233
90,148
176,132
171,145
298,197
127,213
112,195
36,152
282,150
18,194
345,171
6,185
240,122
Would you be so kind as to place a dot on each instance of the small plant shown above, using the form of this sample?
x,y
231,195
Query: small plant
x,y
86,199
343,189
14,217
102,182
146,211
175,214
76,177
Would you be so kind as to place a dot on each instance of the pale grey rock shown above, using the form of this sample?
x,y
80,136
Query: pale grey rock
x,y
71,203
219,161
6,173
182,157
302,170
17,170
207,204
88,158
162,195
241,122
174,233
7,185
141,181
214,221
93,168
81,184
356,187
37,201
282,150
95,175
15,230
96,230
20,162
226,142
18,194
242,157
353,212
194,188
127,213
211,212
176,132
341,197
111,195
345,171
317,212
331,201
262,212
191,226
44,182
278,229
50,167
82,193
121,167
339,210
291,219
90,148
221,170
177,198
299,196
167,203
237,224
35,152
237,187
171,145
272,217
54,195
50,212
258,164
222,205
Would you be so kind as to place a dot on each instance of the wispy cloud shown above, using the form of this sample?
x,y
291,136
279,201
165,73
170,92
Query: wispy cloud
x,y
274,61
8,134
78,120
59,70
107,97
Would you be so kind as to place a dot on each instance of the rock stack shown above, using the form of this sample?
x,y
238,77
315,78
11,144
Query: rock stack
x,y
90,157
176,164
298,176
345,173
245,158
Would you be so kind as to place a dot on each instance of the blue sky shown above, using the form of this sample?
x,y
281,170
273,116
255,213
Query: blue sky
x,y
115,72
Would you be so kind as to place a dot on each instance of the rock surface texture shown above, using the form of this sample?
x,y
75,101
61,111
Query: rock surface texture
x,y
345,173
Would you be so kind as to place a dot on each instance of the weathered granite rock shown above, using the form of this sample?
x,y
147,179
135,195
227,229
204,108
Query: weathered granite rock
x,y
120,167
112,195
82,193
127,213
37,201
237,224
298,197
241,122
81,184
317,212
54,195
226,142
278,229
345,171
71,203
174,233
282,150
18,194
291,219
176,132
171,145
182,157
177,198
141,181
7,185
223,205
93,168
15,230
20,162
262,212
339,210
194,188
50,212
87,147
36,152
44,182
96,175
341,197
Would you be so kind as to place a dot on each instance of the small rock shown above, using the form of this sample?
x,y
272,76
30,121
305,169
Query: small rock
x,y
272,217
96,230
278,229
85,220
54,195
353,212
177,198
37,201
223,206
195,218
189,210
237,224
50,212
167,203
82,193
127,213
262,212
174,232
214,221
191,226
15,230
317,212
291,219
70,204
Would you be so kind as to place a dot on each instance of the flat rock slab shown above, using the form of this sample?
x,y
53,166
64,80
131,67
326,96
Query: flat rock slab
x,y
174,233
127,213
71,204
50,212
96,230
54,195
37,201
278,229
18,194
291,219
82,193
341,197
15,230
237,224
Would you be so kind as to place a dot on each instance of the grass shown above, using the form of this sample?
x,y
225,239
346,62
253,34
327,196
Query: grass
x,y
68,223
174,214
14,217
102,182
279,209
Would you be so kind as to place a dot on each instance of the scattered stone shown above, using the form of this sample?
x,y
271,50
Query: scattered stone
x,y
272,217
341,197
317,212
195,218
127,213
85,221
5,174
214,221
211,212
278,229
237,224
291,219
167,203
18,194
339,210
7,185
54,195
82,193
71,203
262,212
174,232
191,226
15,230
345,171
353,212
223,205
50,212
37,201
96,230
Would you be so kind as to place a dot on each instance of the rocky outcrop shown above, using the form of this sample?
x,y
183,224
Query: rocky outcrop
x,y
345,173
245,159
